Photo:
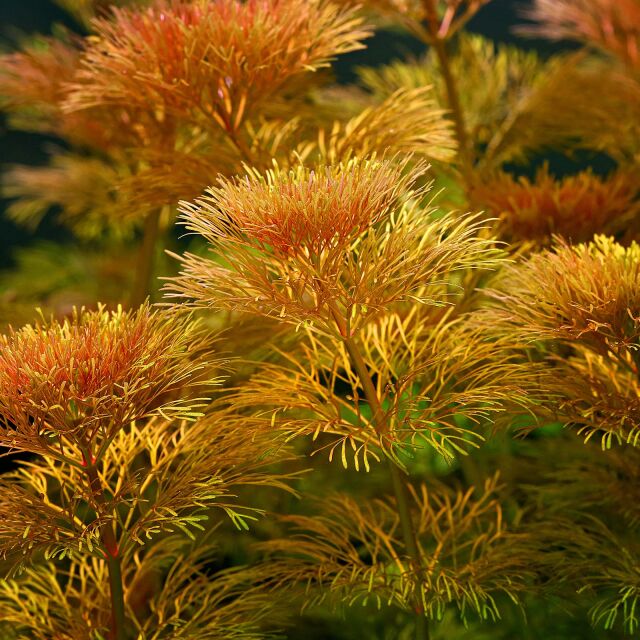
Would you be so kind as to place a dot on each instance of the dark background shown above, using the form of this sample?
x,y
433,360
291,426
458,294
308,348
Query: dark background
x,y
22,17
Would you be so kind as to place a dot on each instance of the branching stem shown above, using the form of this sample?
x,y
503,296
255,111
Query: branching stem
x,y
117,629
437,39
453,98
399,487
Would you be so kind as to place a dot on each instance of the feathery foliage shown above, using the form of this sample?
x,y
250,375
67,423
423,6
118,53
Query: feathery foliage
x,y
78,382
585,297
507,95
151,59
352,236
590,508
363,323
611,26
575,207
353,553
440,381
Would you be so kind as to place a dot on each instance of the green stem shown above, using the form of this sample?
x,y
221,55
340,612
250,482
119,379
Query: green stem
x,y
112,553
146,259
438,41
118,619
410,540
399,487
453,98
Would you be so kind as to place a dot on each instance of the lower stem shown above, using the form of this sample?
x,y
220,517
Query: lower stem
x,y
112,554
146,258
411,543
399,487
118,618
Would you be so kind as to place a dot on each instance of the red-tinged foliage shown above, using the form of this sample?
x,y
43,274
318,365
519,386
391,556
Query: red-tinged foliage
x,y
302,211
575,207
588,292
90,375
213,59
354,237
35,84
35,77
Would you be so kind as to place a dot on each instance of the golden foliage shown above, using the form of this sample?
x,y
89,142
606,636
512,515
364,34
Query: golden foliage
x,y
601,395
445,374
408,121
57,278
113,192
98,196
34,80
586,292
597,107
353,553
331,230
440,381
230,605
166,142
575,207
586,297
591,512
189,471
303,212
72,604
83,187
33,524
592,481
162,121
164,480
371,129
78,382
45,603
35,83
163,477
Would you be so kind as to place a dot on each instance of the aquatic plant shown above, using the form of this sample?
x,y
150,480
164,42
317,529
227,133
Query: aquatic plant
x,y
412,296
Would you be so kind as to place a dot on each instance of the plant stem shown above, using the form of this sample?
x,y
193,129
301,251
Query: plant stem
x,y
244,151
118,619
408,533
399,487
146,259
438,41
453,98
112,553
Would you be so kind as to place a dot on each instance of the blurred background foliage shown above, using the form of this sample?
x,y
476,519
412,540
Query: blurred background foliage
x,y
19,20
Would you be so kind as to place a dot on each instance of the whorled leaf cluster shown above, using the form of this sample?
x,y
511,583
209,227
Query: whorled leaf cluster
x,y
104,399
76,383
583,298
575,207
441,383
325,245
